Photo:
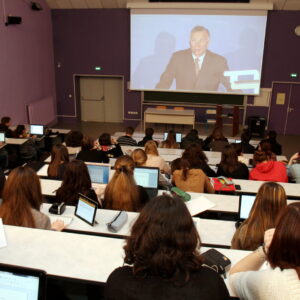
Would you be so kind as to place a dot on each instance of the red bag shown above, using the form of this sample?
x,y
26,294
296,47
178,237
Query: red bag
x,y
220,185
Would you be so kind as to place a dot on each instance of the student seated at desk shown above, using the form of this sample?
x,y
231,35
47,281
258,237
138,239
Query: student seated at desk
x,y
28,150
269,202
148,136
127,139
163,259
153,158
170,142
245,142
59,161
230,166
73,142
191,138
22,198
267,169
90,153
4,126
197,159
109,146
189,179
281,250
122,193
139,157
76,180
216,141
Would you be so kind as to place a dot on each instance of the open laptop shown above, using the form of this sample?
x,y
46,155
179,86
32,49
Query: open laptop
x,y
245,204
37,130
22,283
148,178
178,136
99,173
86,209
2,139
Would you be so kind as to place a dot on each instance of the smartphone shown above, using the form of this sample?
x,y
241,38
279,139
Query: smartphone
x,y
237,187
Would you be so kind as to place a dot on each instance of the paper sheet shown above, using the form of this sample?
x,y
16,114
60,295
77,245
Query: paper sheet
x,y
198,205
3,242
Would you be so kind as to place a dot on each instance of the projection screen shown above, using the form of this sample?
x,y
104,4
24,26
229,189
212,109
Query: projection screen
x,y
197,50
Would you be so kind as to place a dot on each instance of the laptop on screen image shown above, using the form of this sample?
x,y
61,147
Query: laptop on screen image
x,y
37,130
86,209
245,204
178,136
2,137
22,283
99,173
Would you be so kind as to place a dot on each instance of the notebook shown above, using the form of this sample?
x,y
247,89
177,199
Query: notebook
x,y
37,130
86,209
245,204
22,283
178,136
99,173
147,177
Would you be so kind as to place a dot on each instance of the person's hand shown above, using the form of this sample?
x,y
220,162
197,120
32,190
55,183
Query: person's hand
x,y
295,156
268,239
96,144
58,225
113,141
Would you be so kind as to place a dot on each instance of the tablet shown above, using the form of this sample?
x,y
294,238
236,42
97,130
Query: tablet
x,y
22,283
86,209
245,204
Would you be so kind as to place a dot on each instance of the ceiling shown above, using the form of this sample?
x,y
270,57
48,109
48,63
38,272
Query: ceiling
x,y
84,4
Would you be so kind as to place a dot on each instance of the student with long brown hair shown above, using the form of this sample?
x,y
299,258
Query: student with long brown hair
x,y
59,160
153,158
230,166
281,250
170,141
269,201
76,180
163,258
188,179
122,193
22,198
197,159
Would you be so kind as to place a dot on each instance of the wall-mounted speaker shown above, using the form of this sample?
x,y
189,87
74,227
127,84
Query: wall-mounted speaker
x,y
13,20
36,6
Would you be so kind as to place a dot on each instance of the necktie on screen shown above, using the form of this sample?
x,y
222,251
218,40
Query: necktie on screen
x,y
197,67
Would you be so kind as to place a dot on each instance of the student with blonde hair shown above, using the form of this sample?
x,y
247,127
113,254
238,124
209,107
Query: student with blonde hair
x,y
269,201
153,158
139,157
122,193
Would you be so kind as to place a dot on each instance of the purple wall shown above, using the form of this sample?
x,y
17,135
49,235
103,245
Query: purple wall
x,y
26,59
87,38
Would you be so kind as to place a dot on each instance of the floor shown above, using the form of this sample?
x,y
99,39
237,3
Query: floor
x,y
290,144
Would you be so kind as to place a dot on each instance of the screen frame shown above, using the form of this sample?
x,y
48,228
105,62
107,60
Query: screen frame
x,y
41,274
91,202
102,165
150,168
36,125
240,204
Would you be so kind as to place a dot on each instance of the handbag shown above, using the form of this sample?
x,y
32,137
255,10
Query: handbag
x,y
216,261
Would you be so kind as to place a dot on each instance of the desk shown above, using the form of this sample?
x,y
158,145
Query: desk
x,y
212,232
169,116
60,131
252,186
72,256
13,141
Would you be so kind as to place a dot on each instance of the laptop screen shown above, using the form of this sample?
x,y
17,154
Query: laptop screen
x,y
99,173
238,141
2,137
245,205
86,209
37,129
178,136
146,177
20,283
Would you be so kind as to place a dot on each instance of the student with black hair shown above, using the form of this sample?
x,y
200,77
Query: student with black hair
x,y
245,139
4,126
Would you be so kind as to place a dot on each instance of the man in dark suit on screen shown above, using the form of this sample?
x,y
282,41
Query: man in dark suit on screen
x,y
196,68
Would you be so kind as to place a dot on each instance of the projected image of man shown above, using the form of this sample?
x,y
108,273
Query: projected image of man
x,y
196,68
